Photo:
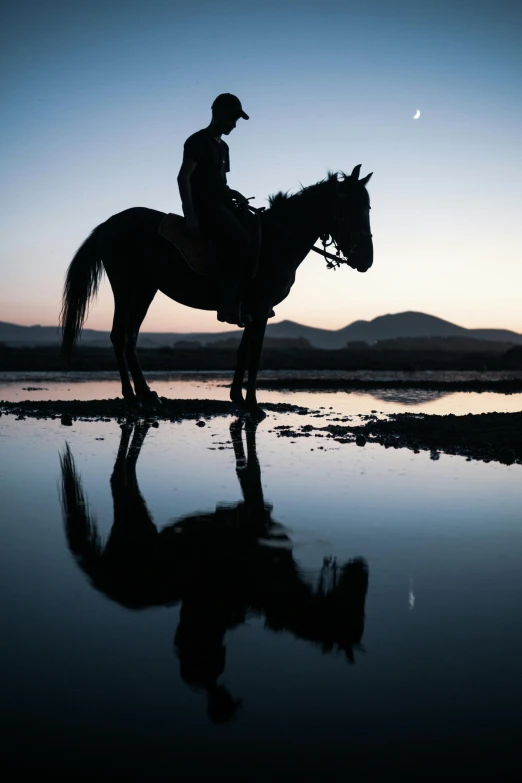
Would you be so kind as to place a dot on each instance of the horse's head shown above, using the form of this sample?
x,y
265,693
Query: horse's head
x,y
351,231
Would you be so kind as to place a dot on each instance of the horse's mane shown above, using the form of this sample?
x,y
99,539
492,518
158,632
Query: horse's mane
x,y
282,198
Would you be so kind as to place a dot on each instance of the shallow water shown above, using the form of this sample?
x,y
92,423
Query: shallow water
x,y
87,386
209,650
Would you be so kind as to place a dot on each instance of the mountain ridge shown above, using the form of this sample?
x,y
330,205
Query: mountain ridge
x,y
383,327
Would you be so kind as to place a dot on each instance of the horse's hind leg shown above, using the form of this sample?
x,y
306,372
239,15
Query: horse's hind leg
x,y
119,343
138,312
236,390
257,333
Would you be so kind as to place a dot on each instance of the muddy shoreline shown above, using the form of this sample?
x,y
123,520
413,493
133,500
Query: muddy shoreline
x,y
486,436
107,410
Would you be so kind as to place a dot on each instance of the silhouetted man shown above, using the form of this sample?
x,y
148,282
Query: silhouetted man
x,y
212,209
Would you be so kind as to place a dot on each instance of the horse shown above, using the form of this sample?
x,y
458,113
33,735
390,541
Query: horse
x,y
139,261
223,566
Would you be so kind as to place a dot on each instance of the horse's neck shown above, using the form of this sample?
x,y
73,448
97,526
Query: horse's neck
x,y
299,231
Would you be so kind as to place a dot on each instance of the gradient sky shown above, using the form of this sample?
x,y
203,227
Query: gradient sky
x,y
98,99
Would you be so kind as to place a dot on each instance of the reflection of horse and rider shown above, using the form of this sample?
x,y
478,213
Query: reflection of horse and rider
x,y
222,566
257,257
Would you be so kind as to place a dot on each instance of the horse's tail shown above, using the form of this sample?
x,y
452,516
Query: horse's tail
x,y
80,528
81,285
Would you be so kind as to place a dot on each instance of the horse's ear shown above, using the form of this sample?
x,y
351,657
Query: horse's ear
x,y
355,173
366,179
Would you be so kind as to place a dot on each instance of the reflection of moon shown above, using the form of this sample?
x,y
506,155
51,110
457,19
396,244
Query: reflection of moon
x,y
416,115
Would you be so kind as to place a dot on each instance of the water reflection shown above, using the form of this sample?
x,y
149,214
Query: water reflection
x,y
222,566
409,397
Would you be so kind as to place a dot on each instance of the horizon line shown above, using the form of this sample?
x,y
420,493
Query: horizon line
x,y
278,323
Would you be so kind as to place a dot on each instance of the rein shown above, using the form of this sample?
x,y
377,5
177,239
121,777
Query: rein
x,y
332,261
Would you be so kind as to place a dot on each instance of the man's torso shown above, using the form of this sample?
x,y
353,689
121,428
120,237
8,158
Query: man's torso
x,y
209,179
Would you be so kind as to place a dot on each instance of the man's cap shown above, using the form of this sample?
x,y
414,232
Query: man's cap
x,y
230,103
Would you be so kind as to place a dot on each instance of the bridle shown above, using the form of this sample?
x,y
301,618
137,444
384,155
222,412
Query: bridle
x,y
328,238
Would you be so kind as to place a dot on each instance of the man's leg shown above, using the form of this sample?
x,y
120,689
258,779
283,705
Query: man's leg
x,y
234,246
253,225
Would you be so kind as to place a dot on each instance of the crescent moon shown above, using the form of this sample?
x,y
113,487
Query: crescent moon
x,y
416,115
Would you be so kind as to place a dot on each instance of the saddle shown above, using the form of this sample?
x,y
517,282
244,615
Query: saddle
x,y
198,253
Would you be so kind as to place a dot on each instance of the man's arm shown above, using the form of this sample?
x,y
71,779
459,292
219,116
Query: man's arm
x,y
237,196
187,169
234,194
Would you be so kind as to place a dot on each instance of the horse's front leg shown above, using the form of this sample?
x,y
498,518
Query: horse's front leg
x,y
256,337
236,390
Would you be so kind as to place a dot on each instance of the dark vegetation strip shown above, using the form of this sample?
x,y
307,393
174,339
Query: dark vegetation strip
x,y
221,357
508,386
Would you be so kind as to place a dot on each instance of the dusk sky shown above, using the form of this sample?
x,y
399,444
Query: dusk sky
x,y
98,99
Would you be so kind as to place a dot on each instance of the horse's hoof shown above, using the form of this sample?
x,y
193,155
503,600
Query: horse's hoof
x,y
254,411
149,400
236,397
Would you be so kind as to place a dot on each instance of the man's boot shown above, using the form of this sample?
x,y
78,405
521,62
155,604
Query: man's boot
x,y
230,305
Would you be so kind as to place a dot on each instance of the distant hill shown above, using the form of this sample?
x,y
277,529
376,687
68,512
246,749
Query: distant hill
x,y
411,324
384,327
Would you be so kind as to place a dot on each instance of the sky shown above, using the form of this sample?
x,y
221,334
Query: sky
x,y
98,99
